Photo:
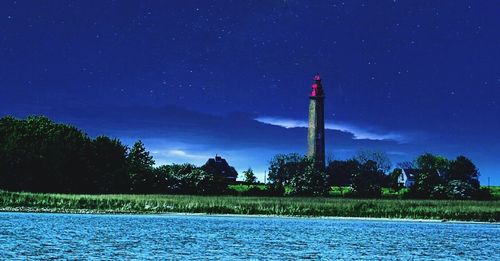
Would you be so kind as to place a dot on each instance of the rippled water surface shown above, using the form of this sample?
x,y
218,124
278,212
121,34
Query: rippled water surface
x,y
61,236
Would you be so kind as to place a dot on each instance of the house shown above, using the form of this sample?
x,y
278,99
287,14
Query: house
x,y
407,177
219,166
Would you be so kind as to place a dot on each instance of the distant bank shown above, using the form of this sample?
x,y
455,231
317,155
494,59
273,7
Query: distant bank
x,y
459,210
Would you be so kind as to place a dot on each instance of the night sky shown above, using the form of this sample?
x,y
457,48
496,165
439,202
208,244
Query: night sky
x,y
196,78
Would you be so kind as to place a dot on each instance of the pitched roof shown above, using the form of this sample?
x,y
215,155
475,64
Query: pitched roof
x,y
219,166
410,173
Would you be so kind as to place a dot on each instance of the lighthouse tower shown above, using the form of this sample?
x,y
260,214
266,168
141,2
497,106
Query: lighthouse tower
x,y
316,133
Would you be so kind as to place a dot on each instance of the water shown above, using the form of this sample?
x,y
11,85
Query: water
x,y
138,237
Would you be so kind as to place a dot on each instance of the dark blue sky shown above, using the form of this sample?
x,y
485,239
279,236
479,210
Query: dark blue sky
x,y
195,78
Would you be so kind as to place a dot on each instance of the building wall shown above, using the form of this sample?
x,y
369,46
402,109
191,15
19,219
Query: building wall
x,y
403,180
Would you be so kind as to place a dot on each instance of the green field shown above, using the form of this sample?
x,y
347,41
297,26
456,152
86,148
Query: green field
x,y
387,193
495,192
287,206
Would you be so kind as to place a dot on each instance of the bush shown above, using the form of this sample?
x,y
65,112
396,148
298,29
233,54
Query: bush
x,y
188,179
457,189
363,189
484,194
257,191
276,189
366,181
311,182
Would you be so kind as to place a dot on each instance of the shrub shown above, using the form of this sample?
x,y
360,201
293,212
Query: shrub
x,y
311,182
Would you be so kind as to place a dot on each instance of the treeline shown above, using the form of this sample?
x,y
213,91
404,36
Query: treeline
x,y
440,178
368,172
364,175
38,155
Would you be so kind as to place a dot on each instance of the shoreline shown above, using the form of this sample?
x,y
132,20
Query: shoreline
x,y
338,218
433,210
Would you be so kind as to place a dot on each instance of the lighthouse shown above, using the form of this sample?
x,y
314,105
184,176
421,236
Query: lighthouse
x,y
316,132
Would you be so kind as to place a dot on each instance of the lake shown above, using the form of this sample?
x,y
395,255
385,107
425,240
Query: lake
x,y
76,236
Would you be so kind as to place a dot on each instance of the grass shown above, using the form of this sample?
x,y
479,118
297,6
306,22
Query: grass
x,y
334,192
243,187
286,206
495,191
387,193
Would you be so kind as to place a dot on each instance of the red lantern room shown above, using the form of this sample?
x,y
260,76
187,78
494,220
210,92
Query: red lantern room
x,y
316,86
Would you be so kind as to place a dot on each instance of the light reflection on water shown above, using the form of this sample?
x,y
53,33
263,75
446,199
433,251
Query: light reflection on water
x,y
62,236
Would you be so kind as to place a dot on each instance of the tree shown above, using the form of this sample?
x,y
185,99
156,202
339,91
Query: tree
x,y
299,173
249,176
365,181
140,165
393,178
425,183
180,181
207,184
428,179
431,163
382,161
163,181
188,179
109,170
441,178
39,155
283,167
339,173
309,182
463,169
9,161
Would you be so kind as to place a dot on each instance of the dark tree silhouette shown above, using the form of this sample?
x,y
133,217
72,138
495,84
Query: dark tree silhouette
x,y
463,169
382,161
366,181
140,165
339,172
109,169
249,176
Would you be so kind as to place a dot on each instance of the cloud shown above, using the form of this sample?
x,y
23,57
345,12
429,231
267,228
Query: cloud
x,y
203,134
357,132
177,153
181,153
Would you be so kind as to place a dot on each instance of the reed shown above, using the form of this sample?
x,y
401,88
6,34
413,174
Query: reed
x,y
287,206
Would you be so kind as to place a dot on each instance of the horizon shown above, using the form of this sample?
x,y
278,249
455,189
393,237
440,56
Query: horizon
x,y
196,79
